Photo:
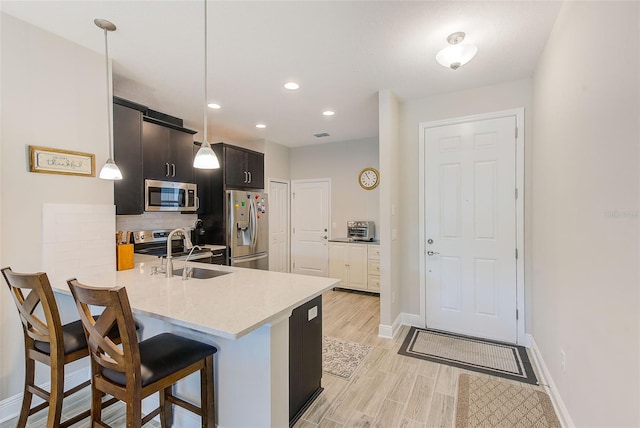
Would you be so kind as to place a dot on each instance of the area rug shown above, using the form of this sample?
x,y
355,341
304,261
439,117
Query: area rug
x,y
341,357
490,402
479,355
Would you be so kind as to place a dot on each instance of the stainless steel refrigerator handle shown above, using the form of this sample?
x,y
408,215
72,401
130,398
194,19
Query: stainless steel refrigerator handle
x,y
254,222
249,259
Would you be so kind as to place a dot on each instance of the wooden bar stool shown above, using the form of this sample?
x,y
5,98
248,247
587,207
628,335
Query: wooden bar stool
x,y
46,341
139,369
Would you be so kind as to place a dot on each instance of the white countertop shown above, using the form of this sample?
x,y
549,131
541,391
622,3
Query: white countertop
x,y
229,306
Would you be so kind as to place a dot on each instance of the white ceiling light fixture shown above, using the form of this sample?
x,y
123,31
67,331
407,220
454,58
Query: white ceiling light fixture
x,y
261,126
110,170
328,113
205,158
214,106
292,86
456,55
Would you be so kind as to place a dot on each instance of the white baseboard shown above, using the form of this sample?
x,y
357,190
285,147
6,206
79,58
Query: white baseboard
x,y
411,320
549,385
10,407
390,331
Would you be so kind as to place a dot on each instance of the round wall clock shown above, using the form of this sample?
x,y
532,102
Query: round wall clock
x,y
369,178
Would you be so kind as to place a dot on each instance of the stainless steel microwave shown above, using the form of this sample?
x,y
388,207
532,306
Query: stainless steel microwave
x,y
170,196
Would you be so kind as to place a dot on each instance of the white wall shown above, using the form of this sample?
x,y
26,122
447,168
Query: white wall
x,y
277,161
53,95
389,128
341,162
585,210
487,99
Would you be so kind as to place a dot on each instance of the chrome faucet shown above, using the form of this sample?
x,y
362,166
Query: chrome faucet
x,y
187,245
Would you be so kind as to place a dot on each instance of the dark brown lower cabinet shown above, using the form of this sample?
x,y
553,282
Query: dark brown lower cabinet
x,y
305,357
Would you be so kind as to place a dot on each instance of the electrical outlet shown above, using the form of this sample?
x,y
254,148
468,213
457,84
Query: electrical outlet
x,y
563,361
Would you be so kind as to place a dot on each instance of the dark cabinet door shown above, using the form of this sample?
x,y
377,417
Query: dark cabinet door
x,y
155,148
181,156
255,169
305,356
127,153
235,168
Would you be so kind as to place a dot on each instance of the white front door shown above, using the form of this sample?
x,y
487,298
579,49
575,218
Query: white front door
x,y
470,214
310,212
279,225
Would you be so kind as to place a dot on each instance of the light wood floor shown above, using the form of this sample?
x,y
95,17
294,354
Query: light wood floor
x,y
387,390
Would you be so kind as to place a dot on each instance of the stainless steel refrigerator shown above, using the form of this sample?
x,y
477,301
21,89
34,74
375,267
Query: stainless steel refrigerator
x,y
247,229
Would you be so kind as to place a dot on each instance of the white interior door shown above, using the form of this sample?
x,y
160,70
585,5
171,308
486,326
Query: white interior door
x,y
310,217
470,212
279,225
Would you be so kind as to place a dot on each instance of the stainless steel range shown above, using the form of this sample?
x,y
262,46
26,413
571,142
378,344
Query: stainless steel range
x,y
154,243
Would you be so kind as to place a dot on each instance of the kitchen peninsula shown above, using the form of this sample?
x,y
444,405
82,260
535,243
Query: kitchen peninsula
x,y
244,313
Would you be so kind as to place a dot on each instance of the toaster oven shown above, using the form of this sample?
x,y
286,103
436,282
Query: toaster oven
x,y
360,230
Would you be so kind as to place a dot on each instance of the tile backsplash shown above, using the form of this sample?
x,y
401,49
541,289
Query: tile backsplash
x,y
154,221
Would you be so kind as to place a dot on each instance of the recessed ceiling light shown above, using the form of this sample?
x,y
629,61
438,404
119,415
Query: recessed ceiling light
x,y
292,86
214,106
328,112
261,125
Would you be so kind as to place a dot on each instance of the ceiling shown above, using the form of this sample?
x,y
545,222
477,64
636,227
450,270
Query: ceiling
x,y
340,52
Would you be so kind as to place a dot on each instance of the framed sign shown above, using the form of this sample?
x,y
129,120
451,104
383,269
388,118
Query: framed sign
x,y
55,161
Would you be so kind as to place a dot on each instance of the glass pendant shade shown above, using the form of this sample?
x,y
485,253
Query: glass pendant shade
x,y
110,171
455,56
206,158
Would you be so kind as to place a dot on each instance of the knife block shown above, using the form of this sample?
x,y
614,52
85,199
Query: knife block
x,y
124,256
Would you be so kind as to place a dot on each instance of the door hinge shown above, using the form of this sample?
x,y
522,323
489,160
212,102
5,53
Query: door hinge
x,y
516,253
516,193
517,315
293,195
516,132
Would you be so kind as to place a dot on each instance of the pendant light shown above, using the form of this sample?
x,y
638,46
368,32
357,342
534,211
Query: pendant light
x,y
205,158
110,170
456,55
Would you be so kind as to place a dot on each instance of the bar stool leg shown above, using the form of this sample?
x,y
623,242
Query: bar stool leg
x,y
29,377
166,407
207,405
56,394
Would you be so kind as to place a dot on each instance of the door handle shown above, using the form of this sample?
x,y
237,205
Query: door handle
x,y
432,253
324,237
246,177
173,169
249,176
166,168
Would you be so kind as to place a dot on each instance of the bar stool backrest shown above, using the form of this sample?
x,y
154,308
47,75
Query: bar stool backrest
x,y
38,293
117,311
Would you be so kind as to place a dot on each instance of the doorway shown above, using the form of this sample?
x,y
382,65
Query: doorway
x,y
472,229
310,219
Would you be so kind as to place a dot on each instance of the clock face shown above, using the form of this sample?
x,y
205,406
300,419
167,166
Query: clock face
x,y
369,178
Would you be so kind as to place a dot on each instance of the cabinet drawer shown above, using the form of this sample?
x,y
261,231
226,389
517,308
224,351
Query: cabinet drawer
x,y
373,283
373,267
374,252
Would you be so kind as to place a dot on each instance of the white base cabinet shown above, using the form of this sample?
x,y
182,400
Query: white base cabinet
x,y
354,266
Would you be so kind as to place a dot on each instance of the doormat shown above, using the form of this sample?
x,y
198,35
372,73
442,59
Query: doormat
x,y
470,353
342,358
489,402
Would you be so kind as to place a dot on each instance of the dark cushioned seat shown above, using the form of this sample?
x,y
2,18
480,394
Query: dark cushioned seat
x,y
163,355
74,338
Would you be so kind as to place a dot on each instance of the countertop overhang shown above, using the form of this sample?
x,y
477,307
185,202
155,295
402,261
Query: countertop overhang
x,y
228,306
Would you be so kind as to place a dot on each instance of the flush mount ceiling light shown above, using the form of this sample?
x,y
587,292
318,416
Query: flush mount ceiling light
x,y
205,158
456,55
261,126
328,113
214,106
292,86
110,170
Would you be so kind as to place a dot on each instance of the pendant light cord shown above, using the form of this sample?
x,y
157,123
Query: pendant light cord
x,y
205,142
106,61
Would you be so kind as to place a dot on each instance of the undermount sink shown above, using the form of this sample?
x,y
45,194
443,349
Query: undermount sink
x,y
200,273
